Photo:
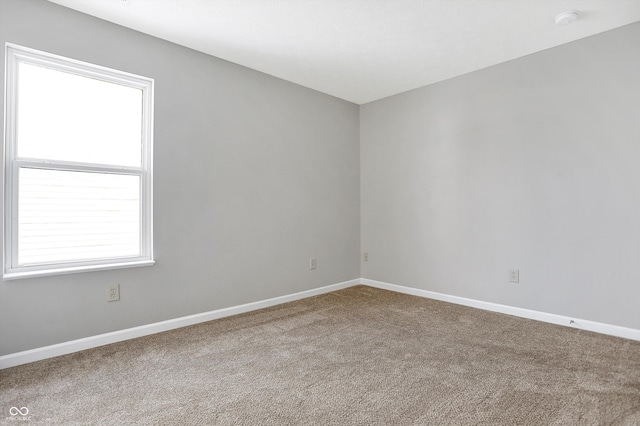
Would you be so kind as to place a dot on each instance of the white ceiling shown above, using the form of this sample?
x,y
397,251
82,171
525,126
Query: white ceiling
x,y
363,50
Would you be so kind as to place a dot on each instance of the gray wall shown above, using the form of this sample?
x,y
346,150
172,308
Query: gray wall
x,y
253,175
531,164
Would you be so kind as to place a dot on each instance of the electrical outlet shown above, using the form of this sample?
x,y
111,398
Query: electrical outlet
x,y
312,263
365,256
514,275
113,293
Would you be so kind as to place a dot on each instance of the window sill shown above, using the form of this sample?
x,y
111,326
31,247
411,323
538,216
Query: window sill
x,y
9,276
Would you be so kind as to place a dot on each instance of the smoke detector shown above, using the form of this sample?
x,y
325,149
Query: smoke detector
x,y
566,17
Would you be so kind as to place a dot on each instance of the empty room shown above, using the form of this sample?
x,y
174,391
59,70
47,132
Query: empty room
x,y
320,212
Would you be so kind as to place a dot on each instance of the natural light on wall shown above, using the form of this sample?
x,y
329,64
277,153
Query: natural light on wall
x,y
77,166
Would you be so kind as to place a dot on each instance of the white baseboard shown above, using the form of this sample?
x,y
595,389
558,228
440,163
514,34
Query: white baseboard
x,y
64,348
598,327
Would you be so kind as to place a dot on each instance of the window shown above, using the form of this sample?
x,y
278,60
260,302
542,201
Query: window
x,y
78,153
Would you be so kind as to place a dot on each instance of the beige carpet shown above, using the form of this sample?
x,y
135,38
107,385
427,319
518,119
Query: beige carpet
x,y
353,357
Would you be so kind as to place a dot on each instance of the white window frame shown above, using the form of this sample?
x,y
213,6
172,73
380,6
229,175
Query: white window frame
x,y
14,55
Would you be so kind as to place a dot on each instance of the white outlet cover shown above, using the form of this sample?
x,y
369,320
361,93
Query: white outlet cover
x,y
113,293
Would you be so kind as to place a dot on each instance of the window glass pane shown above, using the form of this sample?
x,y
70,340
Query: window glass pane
x,y
64,116
77,216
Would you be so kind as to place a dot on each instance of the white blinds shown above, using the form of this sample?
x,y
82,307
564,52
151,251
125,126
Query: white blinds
x,y
65,215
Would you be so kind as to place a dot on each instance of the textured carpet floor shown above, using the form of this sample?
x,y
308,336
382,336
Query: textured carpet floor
x,y
355,356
